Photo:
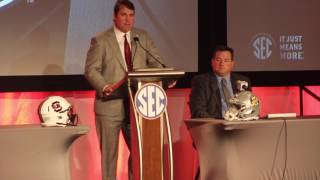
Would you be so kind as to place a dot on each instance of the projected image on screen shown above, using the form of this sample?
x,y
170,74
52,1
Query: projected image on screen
x,y
174,31
271,35
51,37
32,36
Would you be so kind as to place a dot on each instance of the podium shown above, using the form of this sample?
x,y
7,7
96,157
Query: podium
x,y
151,122
259,150
35,152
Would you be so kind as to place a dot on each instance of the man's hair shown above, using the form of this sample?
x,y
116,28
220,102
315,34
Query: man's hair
x,y
128,4
223,48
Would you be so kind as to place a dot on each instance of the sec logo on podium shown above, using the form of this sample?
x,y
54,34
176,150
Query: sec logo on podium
x,y
150,101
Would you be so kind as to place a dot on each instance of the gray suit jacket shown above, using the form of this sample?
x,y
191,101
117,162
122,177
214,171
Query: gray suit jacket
x,y
205,98
105,65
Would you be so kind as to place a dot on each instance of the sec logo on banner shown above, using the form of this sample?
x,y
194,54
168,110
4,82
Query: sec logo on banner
x,y
262,45
151,101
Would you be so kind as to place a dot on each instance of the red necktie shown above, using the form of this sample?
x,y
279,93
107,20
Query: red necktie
x,y
127,53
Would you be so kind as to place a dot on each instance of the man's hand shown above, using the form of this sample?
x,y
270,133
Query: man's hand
x,y
172,84
108,89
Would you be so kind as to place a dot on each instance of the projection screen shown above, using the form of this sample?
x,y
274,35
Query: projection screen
x,y
51,37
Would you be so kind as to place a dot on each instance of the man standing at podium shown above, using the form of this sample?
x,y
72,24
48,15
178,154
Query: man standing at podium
x,y
211,91
112,54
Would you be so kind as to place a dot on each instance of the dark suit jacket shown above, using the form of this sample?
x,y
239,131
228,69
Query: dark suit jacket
x,y
105,65
205,99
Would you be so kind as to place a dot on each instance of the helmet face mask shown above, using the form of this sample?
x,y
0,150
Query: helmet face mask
x,y
57,111
73,118
244,106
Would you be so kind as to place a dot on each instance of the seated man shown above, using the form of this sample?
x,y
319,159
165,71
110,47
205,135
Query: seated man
x,y
211,91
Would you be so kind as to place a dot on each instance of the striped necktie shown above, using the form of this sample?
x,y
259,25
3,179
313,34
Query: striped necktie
x,y
226,93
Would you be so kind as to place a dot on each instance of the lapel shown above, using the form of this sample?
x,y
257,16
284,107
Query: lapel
x,y
113,44
133,34
234,83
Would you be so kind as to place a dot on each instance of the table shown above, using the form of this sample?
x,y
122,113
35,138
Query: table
x,y
36,153
257,150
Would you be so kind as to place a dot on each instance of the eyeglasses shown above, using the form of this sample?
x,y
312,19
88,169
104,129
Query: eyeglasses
x,y
223,60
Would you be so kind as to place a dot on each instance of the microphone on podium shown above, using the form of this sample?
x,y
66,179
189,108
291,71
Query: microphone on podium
x,y
137,41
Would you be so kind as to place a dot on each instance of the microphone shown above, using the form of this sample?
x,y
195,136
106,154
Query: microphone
x,y
136,39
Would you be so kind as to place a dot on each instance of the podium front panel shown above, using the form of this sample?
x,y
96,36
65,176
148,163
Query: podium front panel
x,y
151,130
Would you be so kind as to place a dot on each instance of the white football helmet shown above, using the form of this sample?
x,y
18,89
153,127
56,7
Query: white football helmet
x,y
57,111
244,106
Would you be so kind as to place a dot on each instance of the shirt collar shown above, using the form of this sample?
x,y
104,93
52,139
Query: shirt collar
x,y
227,77
120,34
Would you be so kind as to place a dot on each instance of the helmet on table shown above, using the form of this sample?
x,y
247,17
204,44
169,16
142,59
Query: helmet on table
x,y
57,111
244,106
